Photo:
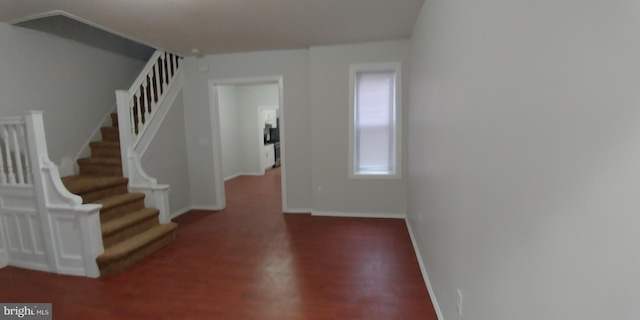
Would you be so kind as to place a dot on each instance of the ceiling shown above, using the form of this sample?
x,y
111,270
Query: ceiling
x,y
223,26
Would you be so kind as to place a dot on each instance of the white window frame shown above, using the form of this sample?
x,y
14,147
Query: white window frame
x,y
354,69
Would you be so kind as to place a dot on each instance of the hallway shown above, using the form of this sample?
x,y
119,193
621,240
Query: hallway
x,y
250,261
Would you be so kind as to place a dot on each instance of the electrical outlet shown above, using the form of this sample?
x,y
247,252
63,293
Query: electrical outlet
x,y
459,304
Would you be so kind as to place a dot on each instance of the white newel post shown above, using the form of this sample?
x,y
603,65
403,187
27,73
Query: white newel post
x,y
39,161
64,220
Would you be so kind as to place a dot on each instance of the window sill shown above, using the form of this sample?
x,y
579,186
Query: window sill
x,y
381,176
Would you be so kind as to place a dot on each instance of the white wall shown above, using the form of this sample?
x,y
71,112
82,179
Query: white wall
x,y
166,157
524,140
240,126
251,98
73,84
315,117
293,65
330,128
231,135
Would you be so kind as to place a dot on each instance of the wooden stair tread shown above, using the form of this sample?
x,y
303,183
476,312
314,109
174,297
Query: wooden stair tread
x,y
124,248
117,200
130,231
128,219
78,184
101,161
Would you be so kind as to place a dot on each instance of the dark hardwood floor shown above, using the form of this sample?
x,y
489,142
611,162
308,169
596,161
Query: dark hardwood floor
x,y
249,261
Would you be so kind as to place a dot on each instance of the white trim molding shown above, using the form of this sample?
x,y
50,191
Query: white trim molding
x,y
358,214
423,270
180,212
396,154
184,210
216,133
297,211
205,208
44,226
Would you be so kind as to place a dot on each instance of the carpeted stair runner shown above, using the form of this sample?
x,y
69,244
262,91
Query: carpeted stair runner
x,y
130,231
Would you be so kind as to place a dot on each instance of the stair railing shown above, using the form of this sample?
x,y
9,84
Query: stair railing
x,y
137,110
42,225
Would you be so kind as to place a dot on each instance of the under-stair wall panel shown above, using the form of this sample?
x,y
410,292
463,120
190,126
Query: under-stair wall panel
x,y
68,242
21,227
169,145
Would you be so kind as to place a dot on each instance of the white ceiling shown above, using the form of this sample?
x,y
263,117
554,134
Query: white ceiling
x,y
219,26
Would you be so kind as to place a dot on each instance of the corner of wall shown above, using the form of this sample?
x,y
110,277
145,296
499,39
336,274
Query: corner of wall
x,y
423,270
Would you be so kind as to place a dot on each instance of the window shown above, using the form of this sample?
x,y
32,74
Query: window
x,y
374,121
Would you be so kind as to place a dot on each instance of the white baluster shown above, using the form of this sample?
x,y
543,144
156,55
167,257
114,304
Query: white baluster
x,y
139,112
149,92
132,119
165,69
156,70
173,65
3,150
9,165
152,100
17,155
27,163
145,99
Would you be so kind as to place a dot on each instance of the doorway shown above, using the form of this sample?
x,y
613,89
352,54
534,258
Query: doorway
x,y
240,144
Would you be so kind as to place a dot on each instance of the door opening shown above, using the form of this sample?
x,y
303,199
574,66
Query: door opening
x,y
247,117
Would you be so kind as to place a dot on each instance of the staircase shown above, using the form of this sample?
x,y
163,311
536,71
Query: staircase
x,y
130,231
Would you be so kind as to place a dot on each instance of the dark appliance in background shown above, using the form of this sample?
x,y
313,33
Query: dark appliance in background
x,y
276,146
267,134
274,135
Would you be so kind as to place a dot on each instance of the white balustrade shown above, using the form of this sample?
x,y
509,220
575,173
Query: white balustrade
x,y
148,90
14,163
45,227
42,225
137,109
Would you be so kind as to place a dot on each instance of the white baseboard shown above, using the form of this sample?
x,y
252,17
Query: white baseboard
x,y
358,214
31,265
232,177
244,174
180,212
4,257
206,208
252,174
423,270
307,211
